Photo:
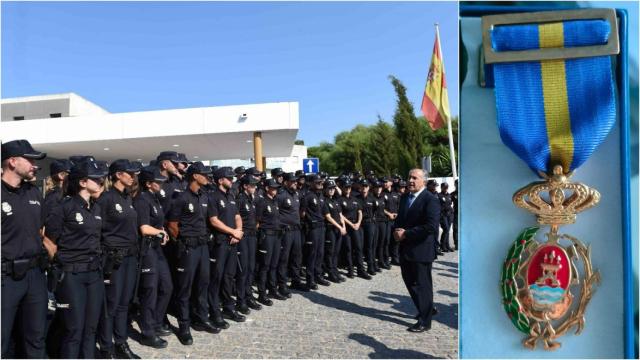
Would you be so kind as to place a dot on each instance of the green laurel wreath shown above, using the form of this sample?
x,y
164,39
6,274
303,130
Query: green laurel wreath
x,y
508,283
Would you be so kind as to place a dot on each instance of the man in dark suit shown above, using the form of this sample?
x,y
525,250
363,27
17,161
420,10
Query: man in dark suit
x,y
416,229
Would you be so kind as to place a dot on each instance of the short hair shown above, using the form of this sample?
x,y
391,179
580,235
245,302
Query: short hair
x,y
423,172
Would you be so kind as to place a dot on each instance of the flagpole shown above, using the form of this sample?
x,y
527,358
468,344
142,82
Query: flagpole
x,y
451,150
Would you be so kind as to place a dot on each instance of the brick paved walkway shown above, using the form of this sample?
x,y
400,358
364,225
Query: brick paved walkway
x,y
354,319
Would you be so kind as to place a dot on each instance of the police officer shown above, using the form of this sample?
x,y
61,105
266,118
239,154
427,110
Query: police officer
x,y
187,222
353,240
454,200
58,172
335,230
24,286
227,233
446,216
268,217
75,226
119,251
236,188
156,285
313,204
278,175
247,248
290,260
380,218
167,162
393,206
368,223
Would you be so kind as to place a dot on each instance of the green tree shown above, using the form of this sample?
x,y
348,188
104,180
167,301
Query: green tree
x,y
382,149
407,129
324,152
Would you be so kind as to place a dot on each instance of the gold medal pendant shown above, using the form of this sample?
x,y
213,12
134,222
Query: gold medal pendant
x,y
547,285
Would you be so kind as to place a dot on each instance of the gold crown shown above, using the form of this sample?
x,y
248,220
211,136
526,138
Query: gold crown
x,y
559,208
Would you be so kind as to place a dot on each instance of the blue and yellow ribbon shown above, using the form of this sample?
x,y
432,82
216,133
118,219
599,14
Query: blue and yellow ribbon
x,y
554,112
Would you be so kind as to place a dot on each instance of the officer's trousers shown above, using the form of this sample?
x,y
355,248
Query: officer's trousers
x,y
357,248
224,262
393,244
268,256
381,243
191,261
345,252
445,224
290,257
247,248
28,298
455,232
369,244
333,241
155,291
118,294
80,299
315,241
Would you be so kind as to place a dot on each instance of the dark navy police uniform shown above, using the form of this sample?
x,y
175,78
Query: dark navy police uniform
x,y
268,216
313,205
247,249
290,260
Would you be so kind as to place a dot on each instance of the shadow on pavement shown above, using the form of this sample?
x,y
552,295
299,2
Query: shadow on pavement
x,y
447,313
448,275
447,263
354,308
382,351
447,293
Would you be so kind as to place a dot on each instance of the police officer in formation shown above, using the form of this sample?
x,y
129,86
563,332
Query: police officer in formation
x,y
119,243
446,216
156,285
109,247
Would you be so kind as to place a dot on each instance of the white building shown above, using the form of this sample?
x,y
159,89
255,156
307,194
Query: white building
x,y
67,124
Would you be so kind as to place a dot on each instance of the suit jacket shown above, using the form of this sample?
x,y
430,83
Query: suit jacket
x,y
421,224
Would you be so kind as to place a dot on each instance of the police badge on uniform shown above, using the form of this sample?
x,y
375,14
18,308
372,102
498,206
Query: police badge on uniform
x,y
269,208
118,208
162,193
246,206
222,204
79,218
289,202
155,211
6,207
190,207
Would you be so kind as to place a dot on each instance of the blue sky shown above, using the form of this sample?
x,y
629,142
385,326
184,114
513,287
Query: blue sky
x,y
332,57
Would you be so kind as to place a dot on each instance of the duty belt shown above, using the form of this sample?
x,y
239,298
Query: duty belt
x,y
271,232
249,232
287,228
82,267
24,264
193,241
315,225
122,251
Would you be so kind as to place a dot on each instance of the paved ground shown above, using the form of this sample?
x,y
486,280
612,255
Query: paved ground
x,y
354,319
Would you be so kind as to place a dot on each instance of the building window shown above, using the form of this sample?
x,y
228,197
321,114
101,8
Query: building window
x,y
18,118
56,115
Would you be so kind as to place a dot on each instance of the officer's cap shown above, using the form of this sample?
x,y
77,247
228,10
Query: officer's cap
x,y
277,172
86,169
346,183
182,158
168,155
198,168
249,180
324,175
364,182
123,165
253,171
330,184
150,173
290,177
21,148
299,173
314,178
272,183
402,183
432,182
223,172
80,158
370,173
377,183
240,170
386,179
58,166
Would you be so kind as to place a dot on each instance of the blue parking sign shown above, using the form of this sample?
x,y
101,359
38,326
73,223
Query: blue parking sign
x,y
311,165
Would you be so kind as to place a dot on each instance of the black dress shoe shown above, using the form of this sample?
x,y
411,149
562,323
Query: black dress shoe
x,y
418,328
439,253
341,278
154,341
185,337
386,266
334,279
122,351
104,354
243,309
253,304
364,275
262,299
284,291
275,294
206,325
219,322
371,272
350,275
232,315
322,281
299,286
164,330
313,286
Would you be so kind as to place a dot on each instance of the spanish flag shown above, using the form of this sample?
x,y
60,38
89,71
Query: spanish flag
x,y
435,101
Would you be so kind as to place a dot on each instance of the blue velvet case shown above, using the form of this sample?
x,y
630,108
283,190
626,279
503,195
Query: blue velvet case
x,y
489,222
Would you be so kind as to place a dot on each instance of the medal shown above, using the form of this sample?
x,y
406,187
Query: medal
x,y
555,103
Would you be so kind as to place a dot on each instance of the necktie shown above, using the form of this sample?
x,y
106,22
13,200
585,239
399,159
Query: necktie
x,y
412,197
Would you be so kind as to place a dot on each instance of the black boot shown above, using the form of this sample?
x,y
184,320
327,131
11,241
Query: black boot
x,y
122,351
154,341
251,302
